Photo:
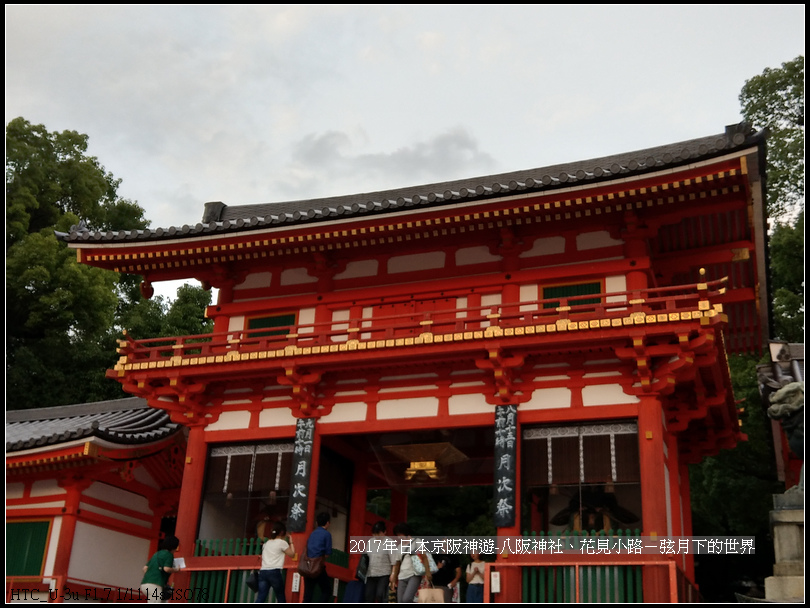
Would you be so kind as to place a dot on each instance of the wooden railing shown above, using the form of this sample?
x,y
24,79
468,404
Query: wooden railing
x,y
607,578
613,309
219,568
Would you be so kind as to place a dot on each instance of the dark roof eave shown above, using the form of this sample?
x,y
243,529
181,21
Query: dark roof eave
x,y
220,218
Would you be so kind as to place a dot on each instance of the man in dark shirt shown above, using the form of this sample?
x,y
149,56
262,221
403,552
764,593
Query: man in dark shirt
x,y
319,543
448,574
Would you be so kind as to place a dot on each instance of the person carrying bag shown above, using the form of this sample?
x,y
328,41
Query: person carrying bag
x,y
312,566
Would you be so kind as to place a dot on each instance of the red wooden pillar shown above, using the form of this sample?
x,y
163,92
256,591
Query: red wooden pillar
x,y
636,251
686,500
188,518
651,438
70,517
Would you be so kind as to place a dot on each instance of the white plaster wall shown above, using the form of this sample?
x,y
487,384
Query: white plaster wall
x,y
53,545
548,398
277,416
117,496
135,521
255,280
490,299
40,505
546,246
346,412
615,283
529,293
461,304
606,394
297,276
475,255
474,403
306,316
362,268
368,313
229,421
236,323
340,320
407,408
15,490
416,261
107,557
595,240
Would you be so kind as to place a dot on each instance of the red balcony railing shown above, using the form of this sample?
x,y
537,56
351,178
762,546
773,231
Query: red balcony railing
x,y
607,309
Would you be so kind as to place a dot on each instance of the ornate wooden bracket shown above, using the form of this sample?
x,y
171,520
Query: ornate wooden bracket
x,y
506,374
661,366
308,403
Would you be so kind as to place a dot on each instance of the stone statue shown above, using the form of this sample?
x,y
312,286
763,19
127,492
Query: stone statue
x,y
787,406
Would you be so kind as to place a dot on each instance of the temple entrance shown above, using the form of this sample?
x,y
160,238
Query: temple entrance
x,y
439,481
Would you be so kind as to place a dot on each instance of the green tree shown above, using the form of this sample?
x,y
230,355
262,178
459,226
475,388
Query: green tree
x,y
775,99
50,175
62,317
732,492
787,279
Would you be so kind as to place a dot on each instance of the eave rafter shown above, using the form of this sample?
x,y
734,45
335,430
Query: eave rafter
x,y
202,256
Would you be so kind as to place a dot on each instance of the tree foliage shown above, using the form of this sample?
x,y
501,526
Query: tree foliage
x,y
787,279
62,317
732,492
775,99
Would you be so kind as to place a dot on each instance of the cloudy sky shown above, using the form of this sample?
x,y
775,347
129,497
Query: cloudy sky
x,y
248,104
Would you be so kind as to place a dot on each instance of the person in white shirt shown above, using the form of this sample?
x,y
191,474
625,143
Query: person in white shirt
x,y
403,577
380,565
475,578
271,574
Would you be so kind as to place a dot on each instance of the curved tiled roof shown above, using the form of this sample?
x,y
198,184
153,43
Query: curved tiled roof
x,y
220,218
123,421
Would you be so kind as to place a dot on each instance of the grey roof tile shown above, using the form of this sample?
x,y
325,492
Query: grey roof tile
x,y
124,421
221,218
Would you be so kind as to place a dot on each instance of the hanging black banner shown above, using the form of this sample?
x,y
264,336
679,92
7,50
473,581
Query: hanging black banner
x,y
505,470
299,478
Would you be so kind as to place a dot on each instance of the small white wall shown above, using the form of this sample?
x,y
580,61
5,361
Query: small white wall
x,y
107,557
606,394
408,408
255,280
46,487
474,403
416,261
346,412
229,421
548,398
277,416
596,240
297,276
547,246
362,268
475,255
117,496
